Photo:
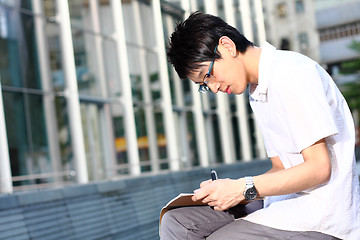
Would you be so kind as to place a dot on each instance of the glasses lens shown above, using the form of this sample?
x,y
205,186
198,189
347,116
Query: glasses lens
x,y
207,78
203,88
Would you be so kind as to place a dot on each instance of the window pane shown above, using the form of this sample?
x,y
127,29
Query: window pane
x,y
93,140
194,156
18,63
300,8
282,10
66,150
111,68
120,141
29,152
17,134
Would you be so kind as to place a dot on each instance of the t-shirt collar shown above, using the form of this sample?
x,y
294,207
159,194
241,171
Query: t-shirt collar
x,y
259,91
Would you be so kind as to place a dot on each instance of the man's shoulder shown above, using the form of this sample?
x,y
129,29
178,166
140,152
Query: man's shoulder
x,y
293,59
292,73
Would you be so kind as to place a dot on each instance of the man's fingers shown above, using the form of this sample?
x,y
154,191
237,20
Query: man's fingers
x,y
204,183
199,194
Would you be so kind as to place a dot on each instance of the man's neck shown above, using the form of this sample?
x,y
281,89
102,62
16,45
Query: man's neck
x,y
251,60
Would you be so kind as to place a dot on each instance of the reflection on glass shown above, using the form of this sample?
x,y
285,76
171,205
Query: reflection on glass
x,y
217,139
63,127
18,139
55,56
112,74
191,135
142,135
160,130
19,66
93,141
28,148
120,141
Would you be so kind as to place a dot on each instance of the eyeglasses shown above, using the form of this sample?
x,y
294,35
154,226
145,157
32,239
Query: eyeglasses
x,y
204,88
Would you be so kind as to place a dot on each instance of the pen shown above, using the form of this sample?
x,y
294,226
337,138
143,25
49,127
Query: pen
x,y
213,175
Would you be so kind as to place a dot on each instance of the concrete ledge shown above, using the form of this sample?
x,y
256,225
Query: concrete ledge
x,y
119,209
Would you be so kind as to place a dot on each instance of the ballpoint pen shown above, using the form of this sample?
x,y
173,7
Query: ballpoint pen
x,y
213,175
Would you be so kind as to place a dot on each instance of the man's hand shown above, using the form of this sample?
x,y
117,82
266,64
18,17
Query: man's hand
x,y
221,194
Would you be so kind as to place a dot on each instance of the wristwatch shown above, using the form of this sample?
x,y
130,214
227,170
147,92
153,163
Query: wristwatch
x,y
250,192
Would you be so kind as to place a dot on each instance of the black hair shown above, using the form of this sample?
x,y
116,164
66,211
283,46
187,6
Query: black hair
x,y
194,40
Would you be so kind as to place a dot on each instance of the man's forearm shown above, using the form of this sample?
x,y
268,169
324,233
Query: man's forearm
x,y
315,171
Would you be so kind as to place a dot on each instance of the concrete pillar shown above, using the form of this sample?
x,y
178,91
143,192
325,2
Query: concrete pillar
x,y
71,92
5,170
127,102
171,142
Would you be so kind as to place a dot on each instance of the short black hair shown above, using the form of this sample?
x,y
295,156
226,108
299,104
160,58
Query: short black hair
x,y
194,40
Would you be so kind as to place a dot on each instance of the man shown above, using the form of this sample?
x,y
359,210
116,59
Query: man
x,y
312,189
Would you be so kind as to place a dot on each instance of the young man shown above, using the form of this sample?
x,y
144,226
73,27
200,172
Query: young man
x,y
312,190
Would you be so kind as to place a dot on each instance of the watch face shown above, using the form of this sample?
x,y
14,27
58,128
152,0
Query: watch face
x,y
251,193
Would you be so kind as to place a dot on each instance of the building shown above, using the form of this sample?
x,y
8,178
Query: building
x,y
87,93
320,29
338,23
291,25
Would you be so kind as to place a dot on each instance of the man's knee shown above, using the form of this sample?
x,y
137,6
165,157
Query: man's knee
x,y
171,227
167,220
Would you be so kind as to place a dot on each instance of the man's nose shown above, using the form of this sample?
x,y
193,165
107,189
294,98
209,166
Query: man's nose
x,y
214,87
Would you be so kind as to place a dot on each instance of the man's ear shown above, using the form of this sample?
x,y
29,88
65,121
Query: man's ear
x,y
228,44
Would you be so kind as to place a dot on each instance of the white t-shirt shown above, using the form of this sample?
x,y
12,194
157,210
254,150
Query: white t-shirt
x,y
296,103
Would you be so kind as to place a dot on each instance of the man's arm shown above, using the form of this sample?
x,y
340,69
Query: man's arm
x,y
316,170
276,165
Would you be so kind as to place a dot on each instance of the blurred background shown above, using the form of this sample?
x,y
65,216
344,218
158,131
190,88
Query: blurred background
x,y
87,94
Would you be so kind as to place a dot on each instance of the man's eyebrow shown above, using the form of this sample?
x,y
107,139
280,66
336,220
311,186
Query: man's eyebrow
x,y
202,71
198,82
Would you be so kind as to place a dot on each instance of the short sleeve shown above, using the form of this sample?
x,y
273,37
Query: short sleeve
x,y
308,111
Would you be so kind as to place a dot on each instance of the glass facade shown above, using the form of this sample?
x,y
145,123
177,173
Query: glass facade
x,y
108,105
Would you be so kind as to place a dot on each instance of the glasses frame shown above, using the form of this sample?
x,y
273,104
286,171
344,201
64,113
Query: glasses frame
x,y
204,88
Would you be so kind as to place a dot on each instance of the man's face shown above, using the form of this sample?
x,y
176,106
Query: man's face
x,y
227,74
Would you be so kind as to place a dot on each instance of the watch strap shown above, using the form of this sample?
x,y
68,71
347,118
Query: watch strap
x,y
249,181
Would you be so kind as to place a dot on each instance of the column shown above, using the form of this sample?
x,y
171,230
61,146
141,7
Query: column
x,y
180,119
71,92
222,110
145,80
259,20
248,33
127,102
47,87
241,104
246,19
201,135
171,143
107,131
5,170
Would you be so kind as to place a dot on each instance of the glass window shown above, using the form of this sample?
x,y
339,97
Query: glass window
x,y
19,65
66,150
93,140
303,41
117,114
143,143
191,135
28,148
111,68
299,6
282,10
86,62
90,41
